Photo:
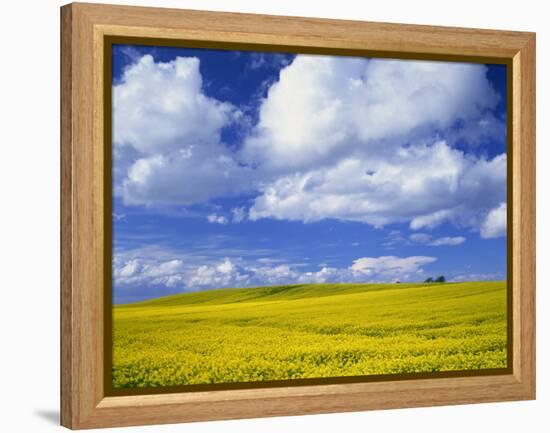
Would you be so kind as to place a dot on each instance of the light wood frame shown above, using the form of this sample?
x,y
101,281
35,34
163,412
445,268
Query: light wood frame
x,y
83,29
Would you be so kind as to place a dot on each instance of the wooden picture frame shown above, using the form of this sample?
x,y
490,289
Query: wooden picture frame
x,y
85,214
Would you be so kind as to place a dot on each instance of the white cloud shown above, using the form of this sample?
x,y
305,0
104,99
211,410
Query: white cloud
x,y
426,239
239,214
217,219
392,266
171,133
324,107
224,274
160,107
423,184
430,220
456,240
345,138
129,268
226,267
494,225
148,272
334,128
193,176
173,274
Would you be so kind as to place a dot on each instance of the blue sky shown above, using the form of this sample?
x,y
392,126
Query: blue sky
x,y
235,169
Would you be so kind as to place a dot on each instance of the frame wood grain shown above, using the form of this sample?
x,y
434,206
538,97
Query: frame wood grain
x,y
83,29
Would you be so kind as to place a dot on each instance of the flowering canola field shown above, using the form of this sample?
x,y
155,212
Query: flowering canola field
x,y
309,331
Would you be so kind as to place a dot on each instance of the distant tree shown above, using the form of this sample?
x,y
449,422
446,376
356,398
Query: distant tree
x,y
440,279
429,280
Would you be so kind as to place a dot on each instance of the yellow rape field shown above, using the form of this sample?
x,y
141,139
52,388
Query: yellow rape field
x,y
309,331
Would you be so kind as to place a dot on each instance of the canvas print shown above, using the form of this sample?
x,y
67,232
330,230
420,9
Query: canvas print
x,y
280,217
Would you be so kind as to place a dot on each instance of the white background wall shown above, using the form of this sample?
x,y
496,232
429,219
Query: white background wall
x,y
29,236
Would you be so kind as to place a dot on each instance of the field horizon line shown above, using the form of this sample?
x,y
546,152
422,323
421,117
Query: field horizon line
x,y
396,285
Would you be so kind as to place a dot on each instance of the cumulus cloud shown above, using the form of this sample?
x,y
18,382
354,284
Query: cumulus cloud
x,y
345,138
148,272
223,274
494,225
324,107
424,185
392,266
171,132
190,177
177,274
160,107
217,219
128,269
334,130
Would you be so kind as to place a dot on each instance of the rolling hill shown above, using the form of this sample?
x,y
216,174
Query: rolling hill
x,y
309,331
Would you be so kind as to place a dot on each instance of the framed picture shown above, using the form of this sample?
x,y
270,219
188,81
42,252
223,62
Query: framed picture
x,y
270,216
